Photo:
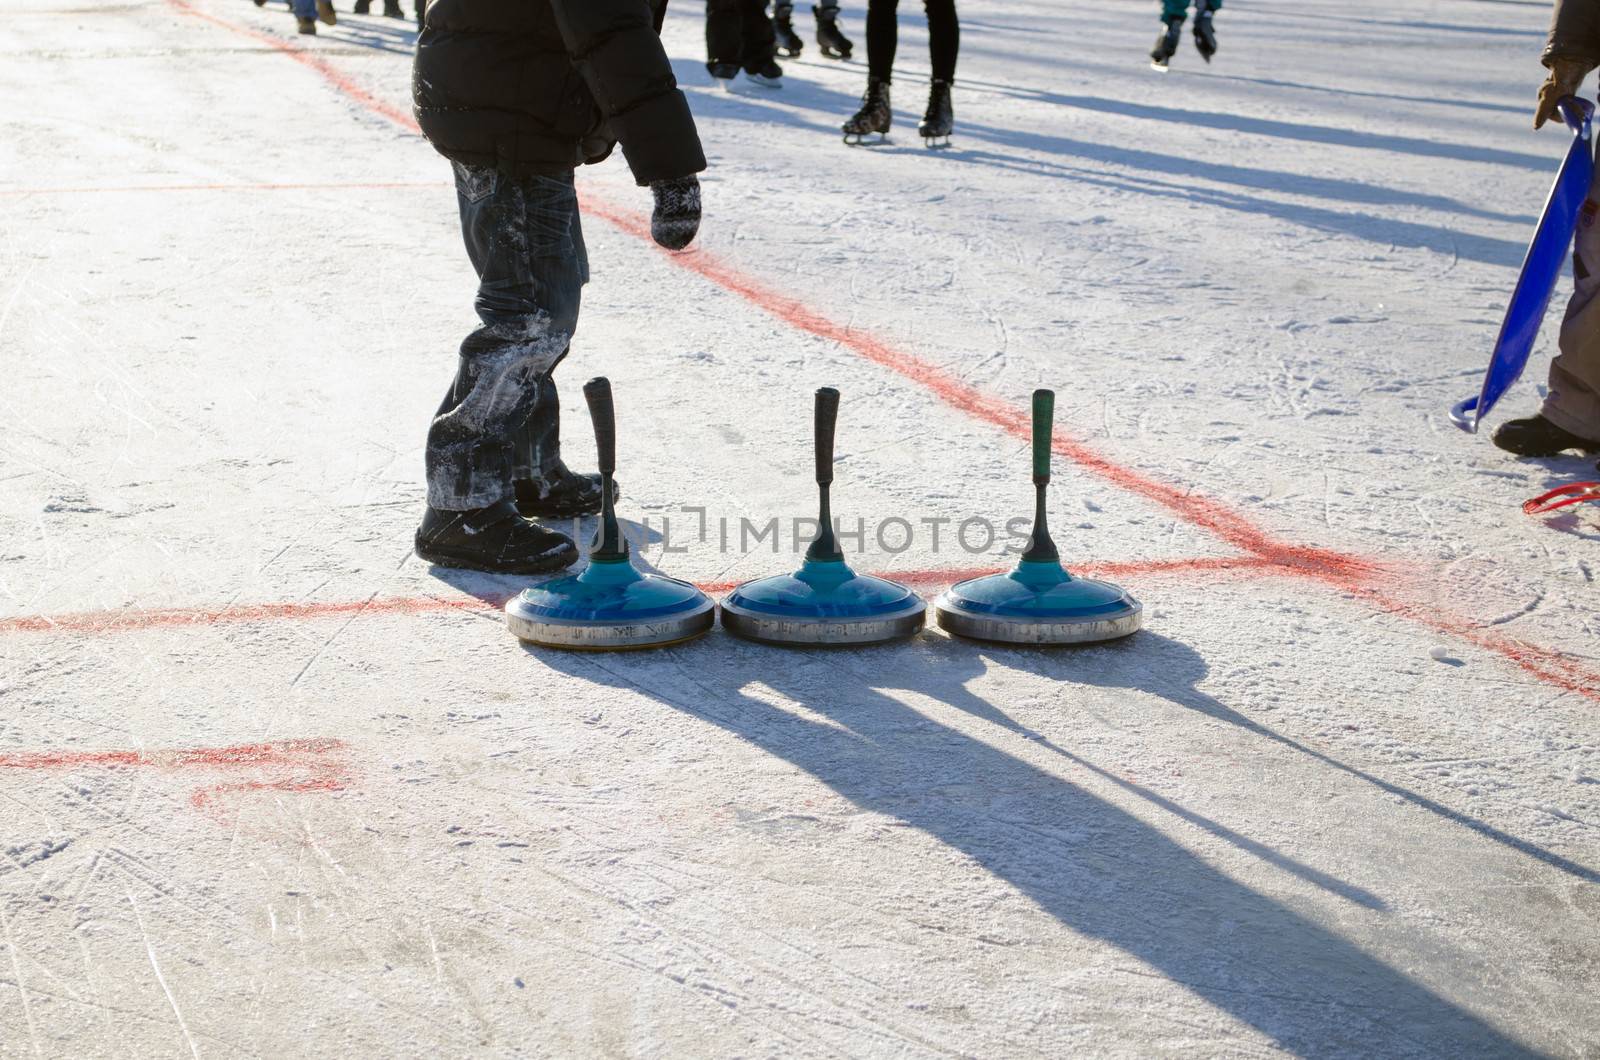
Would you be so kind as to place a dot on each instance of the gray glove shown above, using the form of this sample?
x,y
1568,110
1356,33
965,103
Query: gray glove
x,y
677,214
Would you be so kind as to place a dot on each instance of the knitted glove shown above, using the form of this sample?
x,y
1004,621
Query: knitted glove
x,y
1566,76
677,214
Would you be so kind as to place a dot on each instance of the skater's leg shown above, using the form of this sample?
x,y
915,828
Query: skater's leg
x,y
944,38
883,33
1573,403
724,34
527,250
830,38
1175,9
759,42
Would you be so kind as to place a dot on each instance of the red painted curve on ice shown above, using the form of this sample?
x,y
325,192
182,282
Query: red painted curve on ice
x,y
1332,568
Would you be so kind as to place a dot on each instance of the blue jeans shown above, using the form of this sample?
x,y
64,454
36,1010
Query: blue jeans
x,y
501,420
304,8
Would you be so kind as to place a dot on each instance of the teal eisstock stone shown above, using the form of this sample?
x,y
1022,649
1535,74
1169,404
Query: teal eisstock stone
x,y
824,602
610,605
1039,601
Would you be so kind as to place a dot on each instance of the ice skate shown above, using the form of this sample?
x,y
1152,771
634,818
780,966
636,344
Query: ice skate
x,y
391,9
1205,36
495,539
308,26
724,74
361,7
939,120
767,75
1166,44
832,41
873,117
789,43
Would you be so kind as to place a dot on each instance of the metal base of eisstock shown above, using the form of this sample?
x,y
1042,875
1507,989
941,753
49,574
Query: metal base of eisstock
x,y
610,606
1039,603
823,604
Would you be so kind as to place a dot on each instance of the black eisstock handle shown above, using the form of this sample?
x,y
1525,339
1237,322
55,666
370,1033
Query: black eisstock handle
x,y
609,544
1040,548
825,549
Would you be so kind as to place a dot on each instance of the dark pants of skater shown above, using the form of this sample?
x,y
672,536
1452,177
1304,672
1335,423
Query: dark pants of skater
x,y
500,421
944,37
739,33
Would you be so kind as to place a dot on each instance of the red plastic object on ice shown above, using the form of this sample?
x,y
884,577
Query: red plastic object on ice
x,y
1561,497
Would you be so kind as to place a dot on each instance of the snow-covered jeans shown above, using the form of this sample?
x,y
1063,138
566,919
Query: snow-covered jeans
x,y
1573,402
500,422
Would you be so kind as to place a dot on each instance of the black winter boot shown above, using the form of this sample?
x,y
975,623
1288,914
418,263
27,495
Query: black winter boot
x,y
391,9
362,7
874,115
563,494
1537,436
1167,44
832,41
940,119
308,26
494,539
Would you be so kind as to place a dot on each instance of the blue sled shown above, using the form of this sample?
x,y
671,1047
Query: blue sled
x,y
1547,256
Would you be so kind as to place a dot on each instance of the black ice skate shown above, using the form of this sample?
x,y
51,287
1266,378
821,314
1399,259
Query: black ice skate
x,y
1537,436
789,43
768,75
874,115
1166,44
832,41
1205,37
391,9
940,119
494,539
362,7
563,494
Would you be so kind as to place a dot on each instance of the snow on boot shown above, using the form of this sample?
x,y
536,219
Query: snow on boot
x,y
1537,436
832,41
767,75
1167,44
789,43
563,494
940,118
391,9
494,539
1205,37
874,115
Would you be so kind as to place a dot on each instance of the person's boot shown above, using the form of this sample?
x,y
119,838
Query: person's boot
x,y
1205,37
940,119
789,43
494,539
1167,44
874,115
563,494
326,13
832,41
391,9
1537,436
308,26
363,7
768,75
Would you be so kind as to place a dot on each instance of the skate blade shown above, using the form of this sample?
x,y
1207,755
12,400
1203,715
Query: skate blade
x,y
936,143
768,83
834,53
1159,68
860,139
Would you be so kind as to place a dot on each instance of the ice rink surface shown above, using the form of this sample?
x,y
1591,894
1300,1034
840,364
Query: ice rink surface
x,y
269,786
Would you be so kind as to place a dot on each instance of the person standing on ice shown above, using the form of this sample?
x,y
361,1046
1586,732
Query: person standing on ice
x,y
883,38
1173,15
830,38
1570,418
517,96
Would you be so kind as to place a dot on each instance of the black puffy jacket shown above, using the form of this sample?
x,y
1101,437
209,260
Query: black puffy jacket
x,y
1575,32
537,87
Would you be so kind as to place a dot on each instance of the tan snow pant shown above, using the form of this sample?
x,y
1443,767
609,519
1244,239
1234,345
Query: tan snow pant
x,y
1574,400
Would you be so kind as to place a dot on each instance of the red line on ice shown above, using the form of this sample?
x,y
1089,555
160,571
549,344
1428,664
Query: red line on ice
x,y
1335,569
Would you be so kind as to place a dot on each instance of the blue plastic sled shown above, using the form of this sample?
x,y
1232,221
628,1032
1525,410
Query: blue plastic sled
x,y
1547,256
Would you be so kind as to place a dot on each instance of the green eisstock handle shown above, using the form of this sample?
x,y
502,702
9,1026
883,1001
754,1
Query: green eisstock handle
x,y
1044,411
827,415
597,392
